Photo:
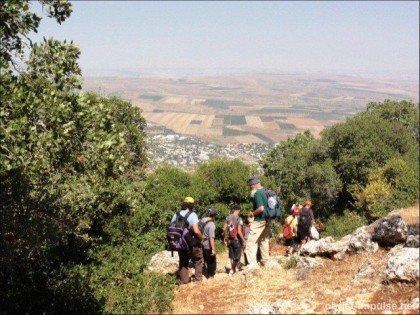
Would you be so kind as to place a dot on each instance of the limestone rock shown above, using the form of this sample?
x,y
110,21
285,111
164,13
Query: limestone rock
x,y
361,241
164,263
403,264
308,262
390,231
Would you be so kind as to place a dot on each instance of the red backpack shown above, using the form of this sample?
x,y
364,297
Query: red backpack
x,y
287,229
233,230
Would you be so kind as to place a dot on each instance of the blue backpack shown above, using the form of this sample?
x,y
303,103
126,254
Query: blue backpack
x,y
273,210
178,234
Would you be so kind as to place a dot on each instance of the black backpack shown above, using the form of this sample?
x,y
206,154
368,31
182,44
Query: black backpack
x,y
304,222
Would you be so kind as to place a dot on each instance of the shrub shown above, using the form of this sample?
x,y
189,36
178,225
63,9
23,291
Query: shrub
x,y
290,263
338,226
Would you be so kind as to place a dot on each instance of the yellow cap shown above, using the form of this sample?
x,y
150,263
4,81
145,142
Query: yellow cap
x,y
189,199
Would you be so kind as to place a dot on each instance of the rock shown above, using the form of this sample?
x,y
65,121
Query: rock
x,y
403,264
390,231
308,262
361,241
324,247
412,241
365,271
164,263
272,263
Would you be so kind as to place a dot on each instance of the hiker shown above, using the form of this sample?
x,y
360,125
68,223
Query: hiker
x,y
260,229
305,221
209,246
234,238
196,252
290,229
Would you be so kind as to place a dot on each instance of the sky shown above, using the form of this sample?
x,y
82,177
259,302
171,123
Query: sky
x,y
303,36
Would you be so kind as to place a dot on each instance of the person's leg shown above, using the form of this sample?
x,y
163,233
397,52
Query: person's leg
x,y
184,259
211,265
236,254
197,257
207,261
264,244
252,245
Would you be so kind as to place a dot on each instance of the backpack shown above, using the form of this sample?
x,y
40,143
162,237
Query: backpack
x,y
287,229
304,222
178,233
274,209
233,230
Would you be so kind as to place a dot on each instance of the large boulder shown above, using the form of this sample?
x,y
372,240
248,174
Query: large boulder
x,y
390,231
403,264
359,241
164,263
326,247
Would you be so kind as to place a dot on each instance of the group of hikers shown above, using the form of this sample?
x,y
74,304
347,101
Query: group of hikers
x,y
194,239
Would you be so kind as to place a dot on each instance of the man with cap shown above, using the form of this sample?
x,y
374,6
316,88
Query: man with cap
x,y
209,248
234,237
259,234
196,252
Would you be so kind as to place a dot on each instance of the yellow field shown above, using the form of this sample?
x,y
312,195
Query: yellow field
x,y
181,123
248,139
175,100
254,121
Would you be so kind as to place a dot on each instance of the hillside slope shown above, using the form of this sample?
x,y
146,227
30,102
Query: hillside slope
x,y
353,285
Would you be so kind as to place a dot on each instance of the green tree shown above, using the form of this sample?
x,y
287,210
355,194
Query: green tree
x,y
69,162
287,164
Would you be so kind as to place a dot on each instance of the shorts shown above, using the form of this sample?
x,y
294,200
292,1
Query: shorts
x,y
291,242
235,249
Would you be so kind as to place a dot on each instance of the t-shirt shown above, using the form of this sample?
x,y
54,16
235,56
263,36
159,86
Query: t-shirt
x,y
293,221
233,221
260,199
192,219
209,231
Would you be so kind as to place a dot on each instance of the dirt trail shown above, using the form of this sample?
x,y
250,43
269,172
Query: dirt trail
x,y
337,286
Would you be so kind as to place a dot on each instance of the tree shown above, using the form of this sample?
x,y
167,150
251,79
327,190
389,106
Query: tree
x,y
287,164
69,162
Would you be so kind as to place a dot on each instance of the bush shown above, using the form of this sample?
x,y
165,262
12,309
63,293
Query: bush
x,y
338,226
290,263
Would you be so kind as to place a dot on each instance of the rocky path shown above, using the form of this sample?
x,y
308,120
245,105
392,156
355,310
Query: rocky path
x,y
355,284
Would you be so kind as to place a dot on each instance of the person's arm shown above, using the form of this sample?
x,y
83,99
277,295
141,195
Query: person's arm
x,y
241,235
197,232
260,204
224,233
212,246
312,216
258,211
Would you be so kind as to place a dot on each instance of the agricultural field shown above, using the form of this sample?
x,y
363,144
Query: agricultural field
x,y
258,108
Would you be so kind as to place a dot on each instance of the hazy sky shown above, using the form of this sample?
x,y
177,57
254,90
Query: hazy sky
x,y
284,36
